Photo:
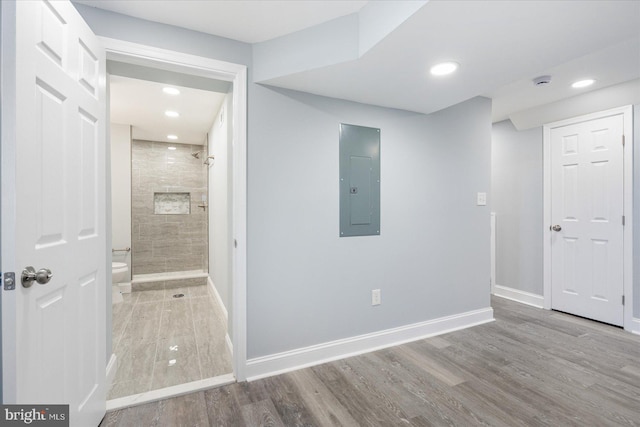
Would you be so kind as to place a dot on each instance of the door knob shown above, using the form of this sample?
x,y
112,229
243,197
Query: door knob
x,y
29,275
556,228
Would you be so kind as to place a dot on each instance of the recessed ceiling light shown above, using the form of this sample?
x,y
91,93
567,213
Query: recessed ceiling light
x,y
171,91
172,136
583,83
444,68
171,148
171,113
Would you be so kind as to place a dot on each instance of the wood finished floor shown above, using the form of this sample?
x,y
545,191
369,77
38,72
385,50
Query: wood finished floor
x,y
530,367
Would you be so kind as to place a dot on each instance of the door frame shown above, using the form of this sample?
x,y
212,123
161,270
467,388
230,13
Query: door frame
x,y
149,56
627,114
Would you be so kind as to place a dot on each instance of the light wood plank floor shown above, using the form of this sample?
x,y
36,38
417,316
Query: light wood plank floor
x,y
529,368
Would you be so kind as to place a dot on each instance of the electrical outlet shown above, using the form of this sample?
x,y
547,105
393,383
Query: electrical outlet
x,y
375,297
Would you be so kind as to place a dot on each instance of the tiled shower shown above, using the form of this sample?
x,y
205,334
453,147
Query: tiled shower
x,y
169,209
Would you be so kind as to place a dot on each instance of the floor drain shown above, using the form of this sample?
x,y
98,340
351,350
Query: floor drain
x,y
178,295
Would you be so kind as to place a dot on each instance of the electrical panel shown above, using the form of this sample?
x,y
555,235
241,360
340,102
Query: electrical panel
x,y
359,181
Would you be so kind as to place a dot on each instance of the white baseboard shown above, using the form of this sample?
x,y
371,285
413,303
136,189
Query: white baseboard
x,y
275,364
635,326
227,338
216,295
112,368
519,296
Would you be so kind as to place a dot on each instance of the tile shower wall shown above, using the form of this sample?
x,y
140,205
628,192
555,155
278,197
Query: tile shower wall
x,y
167,243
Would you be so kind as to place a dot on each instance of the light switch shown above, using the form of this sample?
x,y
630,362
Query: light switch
x,y
482,199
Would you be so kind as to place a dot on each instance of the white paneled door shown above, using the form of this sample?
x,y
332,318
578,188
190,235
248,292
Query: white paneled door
x,y
58,351
587,223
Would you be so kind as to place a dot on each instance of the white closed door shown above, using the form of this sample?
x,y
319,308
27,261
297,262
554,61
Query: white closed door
x,y
54,346
586,214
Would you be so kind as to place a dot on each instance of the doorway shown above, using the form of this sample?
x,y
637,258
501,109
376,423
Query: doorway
x,y
168,322
233,115
588,199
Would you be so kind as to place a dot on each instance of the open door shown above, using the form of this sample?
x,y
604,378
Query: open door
x,y
53,210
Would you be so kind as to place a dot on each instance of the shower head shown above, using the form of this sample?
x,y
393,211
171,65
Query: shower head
x,y
196,154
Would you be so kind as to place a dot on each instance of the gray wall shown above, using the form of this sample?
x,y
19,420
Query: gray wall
x,y
307,286
516,193
636,211
122,27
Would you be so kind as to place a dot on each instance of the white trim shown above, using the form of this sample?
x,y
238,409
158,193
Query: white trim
x,y
227,339
635,326
173,391
129,52
493,251
287,361
239,288
517,295
170,60
546,216
214,293
627,113
8,172
628,213
112,368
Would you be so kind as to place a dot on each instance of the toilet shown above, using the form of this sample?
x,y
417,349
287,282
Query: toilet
x,y
118,274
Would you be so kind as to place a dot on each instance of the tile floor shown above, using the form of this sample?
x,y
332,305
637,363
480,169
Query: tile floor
x,y
161,341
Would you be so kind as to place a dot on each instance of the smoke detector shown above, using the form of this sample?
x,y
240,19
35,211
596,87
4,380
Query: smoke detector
x,y
542,80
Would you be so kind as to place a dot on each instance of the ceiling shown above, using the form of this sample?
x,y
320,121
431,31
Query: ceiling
x,y
500,45
142,104
249,21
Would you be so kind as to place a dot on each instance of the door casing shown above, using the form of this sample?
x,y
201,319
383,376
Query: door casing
x,y
627,112
134,53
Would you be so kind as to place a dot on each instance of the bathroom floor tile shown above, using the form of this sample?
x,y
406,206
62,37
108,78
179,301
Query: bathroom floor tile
x,y
142,329
170,292
135,360
178,347
127,388
130,297
199,291
150,295
214,357
146,311
177,319
162,341
119,323
176,371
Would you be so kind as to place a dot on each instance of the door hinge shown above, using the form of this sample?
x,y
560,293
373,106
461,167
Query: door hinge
x,y
623,220
623,140
9,281
622,299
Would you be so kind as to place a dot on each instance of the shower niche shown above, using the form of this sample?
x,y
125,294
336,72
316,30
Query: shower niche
x,y
171,203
